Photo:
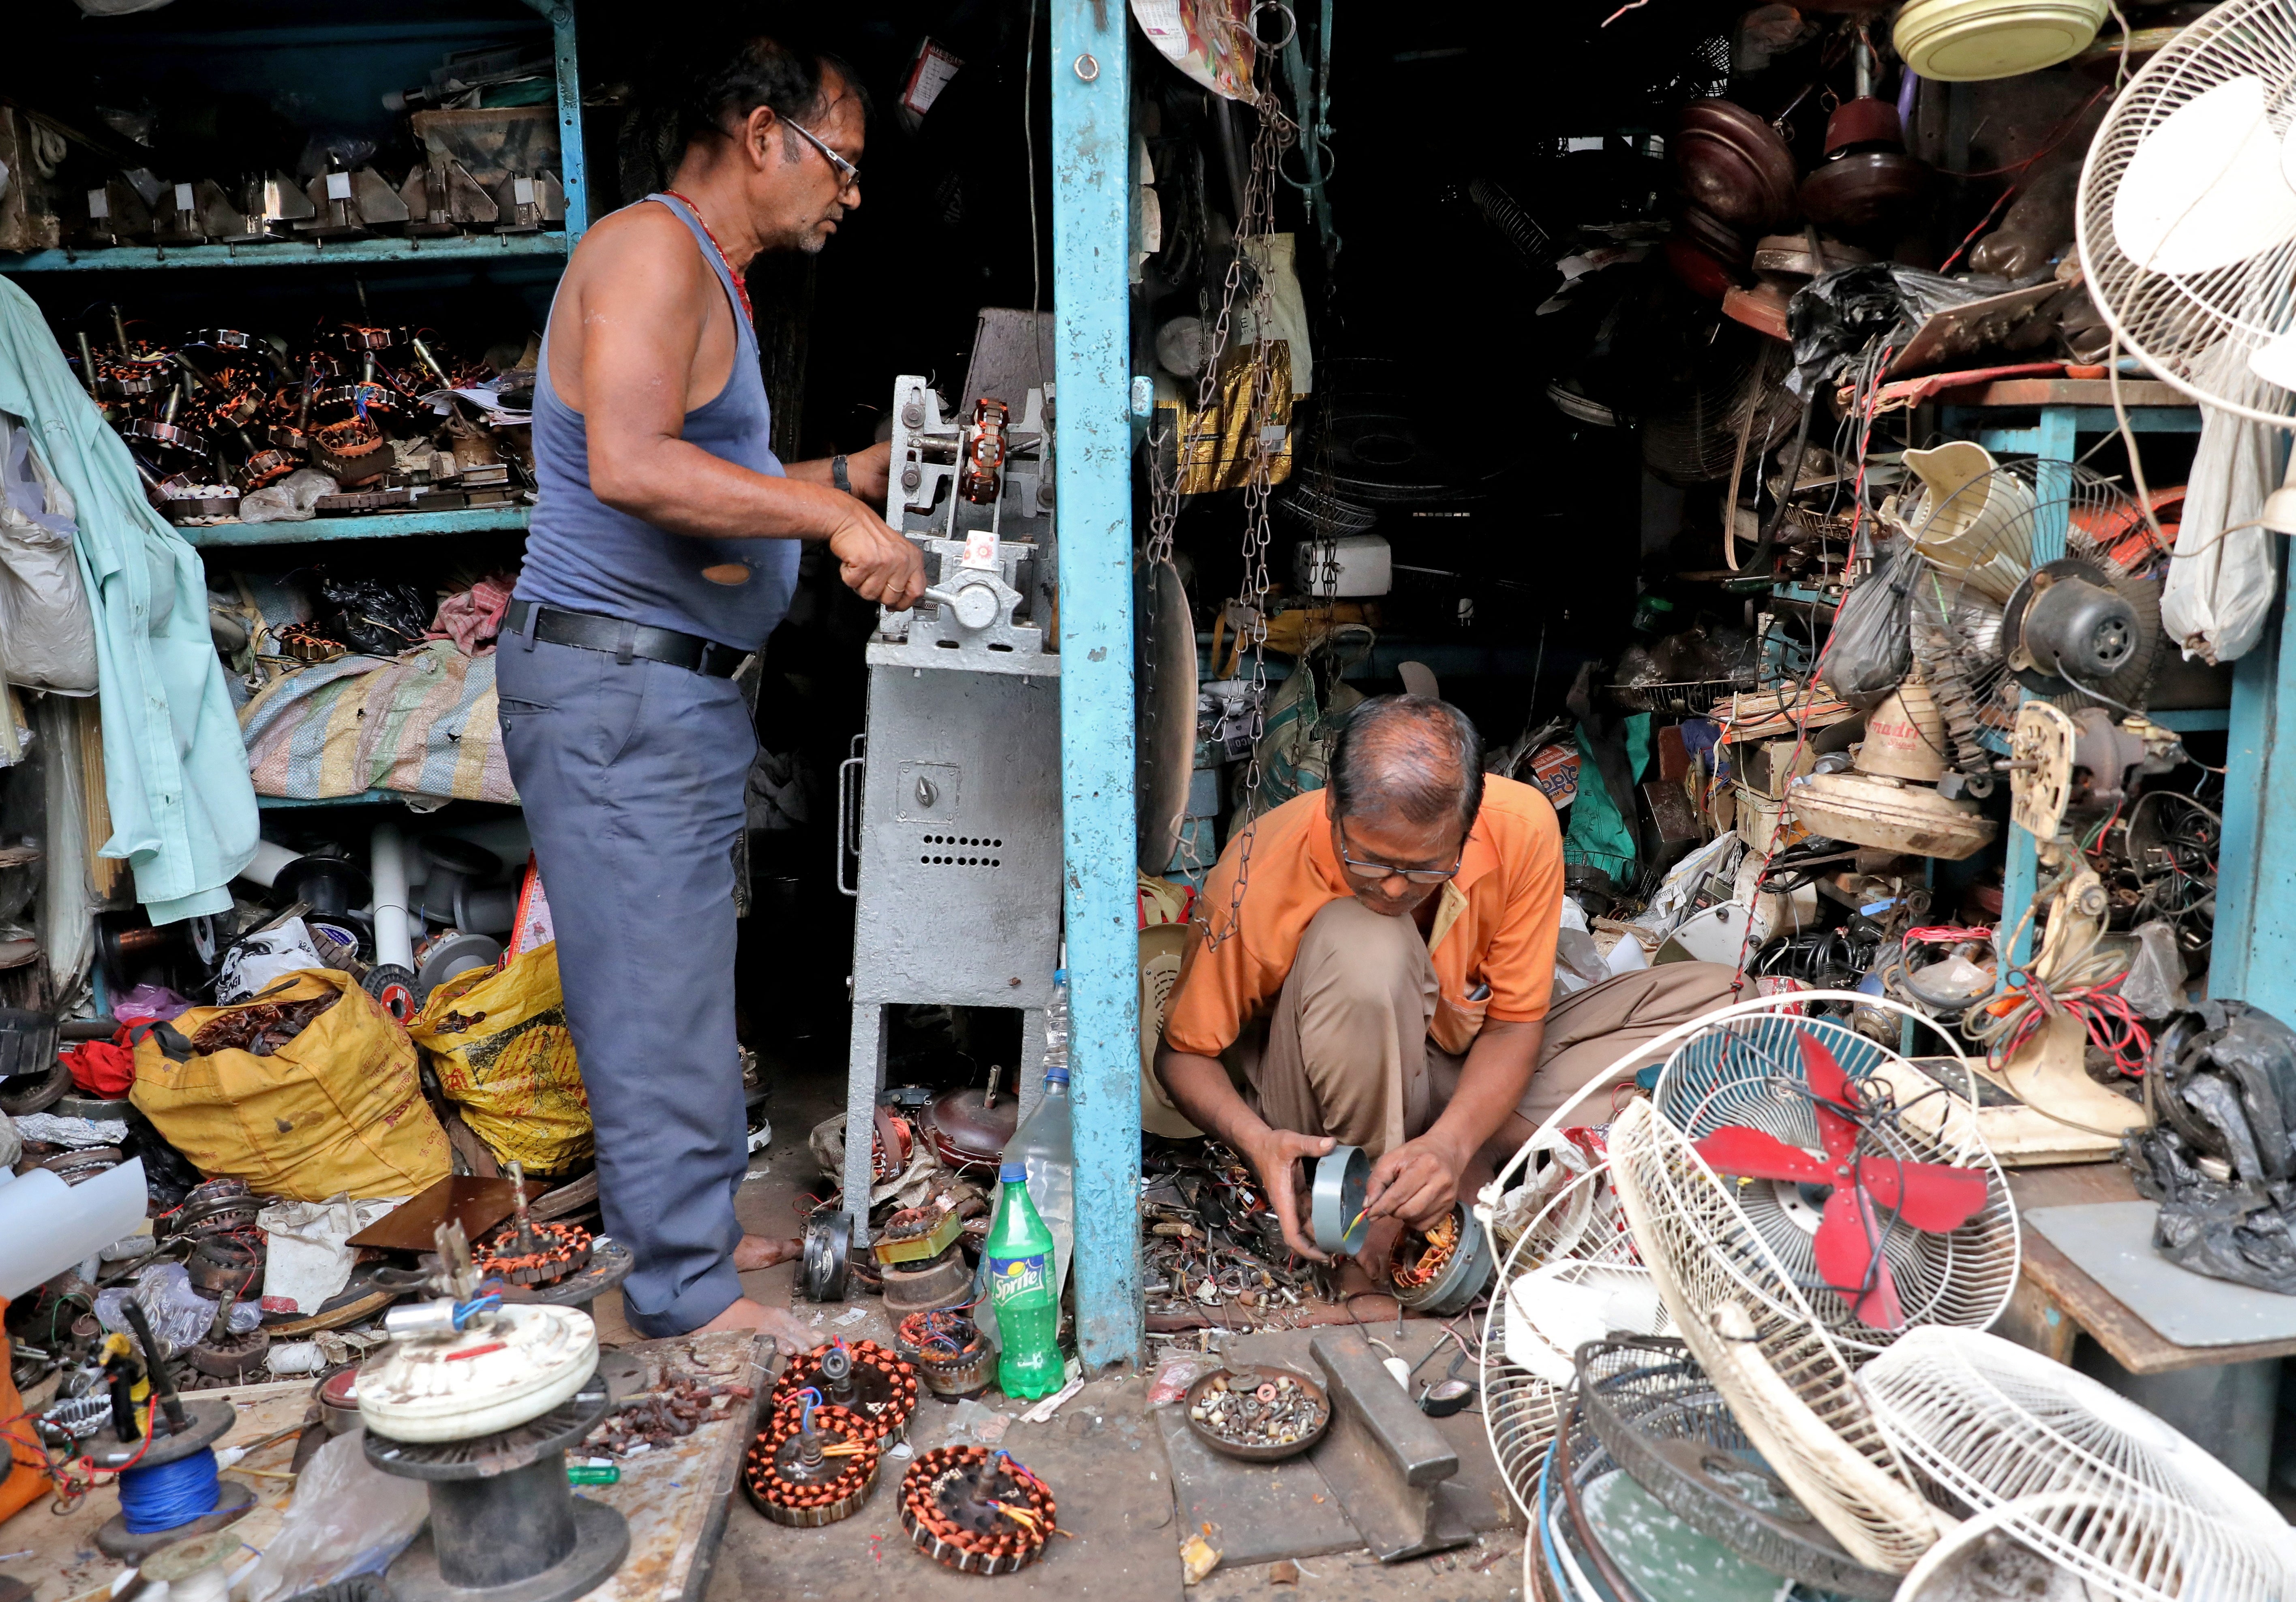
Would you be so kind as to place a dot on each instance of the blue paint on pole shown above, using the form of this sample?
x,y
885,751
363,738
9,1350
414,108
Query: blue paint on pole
x,y
2253,955
1092,208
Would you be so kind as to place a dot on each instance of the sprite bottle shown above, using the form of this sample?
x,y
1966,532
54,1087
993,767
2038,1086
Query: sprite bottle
x,y
1020,1289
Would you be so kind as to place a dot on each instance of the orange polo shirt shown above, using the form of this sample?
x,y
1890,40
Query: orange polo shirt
x,y
1492,942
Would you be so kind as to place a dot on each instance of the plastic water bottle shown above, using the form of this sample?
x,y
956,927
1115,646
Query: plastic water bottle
x,y
1021,1289
1045,1144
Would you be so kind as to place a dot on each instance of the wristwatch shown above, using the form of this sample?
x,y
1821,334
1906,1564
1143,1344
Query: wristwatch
x,y
837,476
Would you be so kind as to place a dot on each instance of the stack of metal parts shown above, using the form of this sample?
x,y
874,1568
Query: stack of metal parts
x,y
480,1403
222,412
437,197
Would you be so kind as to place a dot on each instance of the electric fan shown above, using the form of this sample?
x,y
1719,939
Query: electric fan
x,y
1996,609
1731,407
1879,1223
1572,1276
1784,1377
2187,217
2085,1476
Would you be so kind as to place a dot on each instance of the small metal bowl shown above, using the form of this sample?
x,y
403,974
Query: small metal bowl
x,y
1251,1379
1336,1205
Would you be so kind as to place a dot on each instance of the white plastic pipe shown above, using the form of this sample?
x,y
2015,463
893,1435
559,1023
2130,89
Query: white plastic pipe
x,y
387,868
269,859
46,1226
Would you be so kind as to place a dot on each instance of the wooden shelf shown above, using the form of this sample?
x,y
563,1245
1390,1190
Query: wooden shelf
x,y
288,253
371,525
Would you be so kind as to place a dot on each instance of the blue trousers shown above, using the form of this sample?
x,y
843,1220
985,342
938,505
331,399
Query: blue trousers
x,y
633,777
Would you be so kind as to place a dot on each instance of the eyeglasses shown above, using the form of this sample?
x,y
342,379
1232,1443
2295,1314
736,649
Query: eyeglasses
x,y
848,176
1379,871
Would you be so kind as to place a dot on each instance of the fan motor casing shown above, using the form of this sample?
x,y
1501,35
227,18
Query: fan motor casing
x,y
2073,627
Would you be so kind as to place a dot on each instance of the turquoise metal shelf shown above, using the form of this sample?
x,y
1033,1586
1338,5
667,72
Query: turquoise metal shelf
x,y
551,247
374,525
2194,720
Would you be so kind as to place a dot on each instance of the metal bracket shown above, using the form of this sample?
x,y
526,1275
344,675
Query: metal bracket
x,y
848,811
1386,1463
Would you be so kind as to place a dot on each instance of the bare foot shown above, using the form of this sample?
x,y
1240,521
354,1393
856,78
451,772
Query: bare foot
x,y
789,1332
761,1251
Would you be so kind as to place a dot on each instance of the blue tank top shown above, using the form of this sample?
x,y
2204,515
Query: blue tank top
x,y
584,556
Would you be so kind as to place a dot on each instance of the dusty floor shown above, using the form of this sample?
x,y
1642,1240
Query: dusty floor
x,y
1103,1456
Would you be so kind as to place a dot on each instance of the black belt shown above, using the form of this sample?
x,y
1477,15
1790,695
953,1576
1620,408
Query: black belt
x,y
622,640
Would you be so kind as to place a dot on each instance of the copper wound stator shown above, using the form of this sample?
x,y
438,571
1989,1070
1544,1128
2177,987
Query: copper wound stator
x,y
810,1466
976,1510
877,1384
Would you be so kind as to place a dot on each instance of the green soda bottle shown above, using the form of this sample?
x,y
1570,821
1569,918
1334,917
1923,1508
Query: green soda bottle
x,y
1020,1289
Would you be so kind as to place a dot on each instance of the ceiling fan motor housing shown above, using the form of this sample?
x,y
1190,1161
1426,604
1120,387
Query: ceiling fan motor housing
x,y
2076,629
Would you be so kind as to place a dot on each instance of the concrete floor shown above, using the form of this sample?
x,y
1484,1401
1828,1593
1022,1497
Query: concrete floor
x,y
1102,1456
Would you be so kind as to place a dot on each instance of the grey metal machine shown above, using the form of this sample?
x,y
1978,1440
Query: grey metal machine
x,y
950,805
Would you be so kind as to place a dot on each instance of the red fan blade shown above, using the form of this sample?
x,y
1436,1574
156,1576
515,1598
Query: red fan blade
x,y
1828,1083
1847,1253
1928,1196
1754,1154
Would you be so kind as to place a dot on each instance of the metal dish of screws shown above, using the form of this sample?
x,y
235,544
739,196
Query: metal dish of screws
x,y
1257,1415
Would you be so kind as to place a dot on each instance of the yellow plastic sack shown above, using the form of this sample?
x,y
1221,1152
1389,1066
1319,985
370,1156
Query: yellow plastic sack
x,y
499,1043
336,1109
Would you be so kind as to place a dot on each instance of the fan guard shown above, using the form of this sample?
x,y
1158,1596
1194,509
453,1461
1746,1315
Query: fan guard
x,y
1785,1377
1580,1230
1747,1072
2078,1473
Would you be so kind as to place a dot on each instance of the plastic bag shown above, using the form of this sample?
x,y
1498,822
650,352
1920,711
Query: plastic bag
x,y
374,619
47,630
263,959
2222,580
307,1261
179,1315
348,1518
1834,317
336,1108
1872,650
291,499
499,1043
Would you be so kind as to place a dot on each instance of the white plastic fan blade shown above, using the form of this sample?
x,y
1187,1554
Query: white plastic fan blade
x,y
2207,188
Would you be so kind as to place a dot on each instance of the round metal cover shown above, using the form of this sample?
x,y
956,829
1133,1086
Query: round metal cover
x,y
828,1243
1336,1204
1167,743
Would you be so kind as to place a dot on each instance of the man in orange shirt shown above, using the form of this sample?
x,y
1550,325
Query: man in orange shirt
x,y
1385,979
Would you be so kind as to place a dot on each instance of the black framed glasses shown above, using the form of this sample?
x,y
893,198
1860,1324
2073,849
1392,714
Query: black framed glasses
x,y
848,176
1378,870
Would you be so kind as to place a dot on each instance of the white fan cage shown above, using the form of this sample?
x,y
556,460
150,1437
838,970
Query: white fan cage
x,y
1579,1225
1807,1420
2077,1472
1747,1071
2174,322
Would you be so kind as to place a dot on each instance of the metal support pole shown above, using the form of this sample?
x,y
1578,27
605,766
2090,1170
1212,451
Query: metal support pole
x,y
573,169
2253,957
1092,206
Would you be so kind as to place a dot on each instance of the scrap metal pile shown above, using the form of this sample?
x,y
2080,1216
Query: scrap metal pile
x,y
346,418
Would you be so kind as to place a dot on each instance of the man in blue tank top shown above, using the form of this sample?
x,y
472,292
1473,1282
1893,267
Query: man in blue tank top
x,y
663,551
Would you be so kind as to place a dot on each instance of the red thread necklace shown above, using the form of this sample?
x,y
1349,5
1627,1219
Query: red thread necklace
x,y
741,290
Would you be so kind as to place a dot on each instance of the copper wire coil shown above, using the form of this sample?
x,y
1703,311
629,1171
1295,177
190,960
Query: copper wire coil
x,y
948,1472
895,1378
1442,1242
809,1506
568,1250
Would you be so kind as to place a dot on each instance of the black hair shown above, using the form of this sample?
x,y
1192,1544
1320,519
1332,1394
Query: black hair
x,y
733,76
1412,756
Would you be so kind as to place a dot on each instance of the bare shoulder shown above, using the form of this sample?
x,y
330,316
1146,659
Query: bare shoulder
x,y
641,249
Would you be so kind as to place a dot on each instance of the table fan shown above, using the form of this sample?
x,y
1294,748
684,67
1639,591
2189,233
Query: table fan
x,y
2187,217
1879,1223
2077,1472
1783,1375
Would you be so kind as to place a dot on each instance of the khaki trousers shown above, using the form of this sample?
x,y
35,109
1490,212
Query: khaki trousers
x,y
1346,1052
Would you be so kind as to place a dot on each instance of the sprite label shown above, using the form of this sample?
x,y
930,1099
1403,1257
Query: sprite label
x,y
1014,1281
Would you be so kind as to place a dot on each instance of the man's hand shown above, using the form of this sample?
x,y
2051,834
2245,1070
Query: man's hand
x,y
870,470
1275,1155
877,562
1417,1182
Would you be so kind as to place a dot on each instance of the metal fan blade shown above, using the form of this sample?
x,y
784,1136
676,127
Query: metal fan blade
x,y
1928,1196
1757,1154
1829,1084
1847,1250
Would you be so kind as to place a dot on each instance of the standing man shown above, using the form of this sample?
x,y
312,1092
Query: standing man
x,y
1386,979
663,551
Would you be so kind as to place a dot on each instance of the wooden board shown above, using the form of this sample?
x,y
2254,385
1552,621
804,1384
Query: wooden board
x,y
2071,1294
2067,392
677,1497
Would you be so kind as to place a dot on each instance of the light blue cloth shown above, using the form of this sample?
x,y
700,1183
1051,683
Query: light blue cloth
x,y
183,809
